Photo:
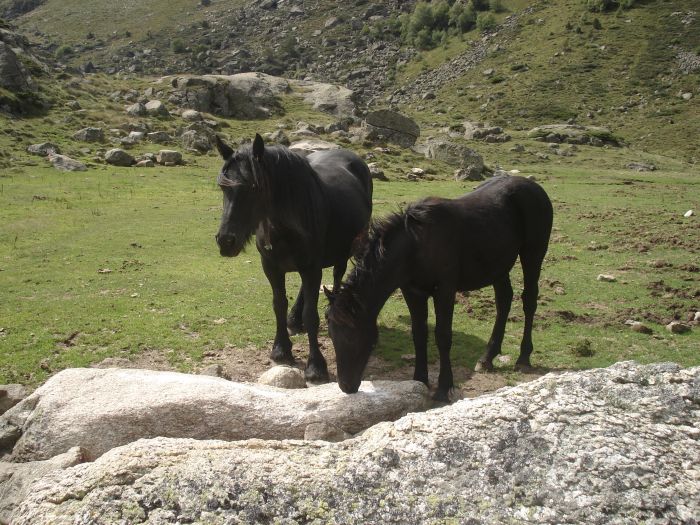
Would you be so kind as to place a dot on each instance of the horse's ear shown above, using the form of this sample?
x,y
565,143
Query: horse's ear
x,y
258,147
329,294
224,150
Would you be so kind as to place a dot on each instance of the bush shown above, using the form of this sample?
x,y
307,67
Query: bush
x,y
64,51
496,6
485,21
178,46
607,5
429,24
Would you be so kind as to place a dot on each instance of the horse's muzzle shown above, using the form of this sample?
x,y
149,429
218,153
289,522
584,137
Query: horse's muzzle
x,y
347,388
227,245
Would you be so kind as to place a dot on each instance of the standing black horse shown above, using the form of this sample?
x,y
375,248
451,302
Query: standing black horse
x,y
305,214
433,249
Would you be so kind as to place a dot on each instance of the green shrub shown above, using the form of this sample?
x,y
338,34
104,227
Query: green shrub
x,y
607,5
485,21
64,51
496,6
178,46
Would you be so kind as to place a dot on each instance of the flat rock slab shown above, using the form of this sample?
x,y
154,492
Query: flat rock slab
x,y
99,409
618,445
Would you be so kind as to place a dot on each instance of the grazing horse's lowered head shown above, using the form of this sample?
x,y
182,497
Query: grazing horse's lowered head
x,y
246,199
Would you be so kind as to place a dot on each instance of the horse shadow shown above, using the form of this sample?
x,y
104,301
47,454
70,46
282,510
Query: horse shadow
x,y
396,342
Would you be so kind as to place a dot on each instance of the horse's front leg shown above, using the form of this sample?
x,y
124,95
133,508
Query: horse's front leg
x,y
444,301
282,347
316,368
418,308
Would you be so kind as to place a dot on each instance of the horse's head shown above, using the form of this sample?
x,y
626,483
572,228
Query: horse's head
x,y
354,334
242,181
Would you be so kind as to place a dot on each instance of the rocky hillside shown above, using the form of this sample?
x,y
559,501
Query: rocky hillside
x,y
537,63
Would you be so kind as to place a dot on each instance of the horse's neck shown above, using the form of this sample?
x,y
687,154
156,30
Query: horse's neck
x,y
387,275
294,202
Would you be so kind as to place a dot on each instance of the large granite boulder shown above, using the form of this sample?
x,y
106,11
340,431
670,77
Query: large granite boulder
x,y
386,125
617,445
469,163
13,75
99,410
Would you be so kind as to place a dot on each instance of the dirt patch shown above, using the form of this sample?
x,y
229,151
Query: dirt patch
x,y
245,365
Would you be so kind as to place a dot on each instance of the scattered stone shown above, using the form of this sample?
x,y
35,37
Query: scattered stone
x,y
488,72
606,278
641,166
504,359
615,445
10,395
146,163
90,135
376,172
518,148
43,149
169,157
689,213
65,163
453,154
687,96
418,172
136,110
191,115
118,157
155,108
283,377
641,328
194,140
100,409
677,327
279,137
574,134
159,137
74,105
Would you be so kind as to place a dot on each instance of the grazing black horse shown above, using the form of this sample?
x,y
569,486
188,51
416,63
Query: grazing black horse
x,y
433,249
305,213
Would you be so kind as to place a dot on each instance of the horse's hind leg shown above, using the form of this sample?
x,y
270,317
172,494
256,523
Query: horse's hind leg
x,y
504,298
316,368
295,322
532,265
444,301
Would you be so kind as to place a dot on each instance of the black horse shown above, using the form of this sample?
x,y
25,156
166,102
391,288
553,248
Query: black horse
x,y
305,213
433,249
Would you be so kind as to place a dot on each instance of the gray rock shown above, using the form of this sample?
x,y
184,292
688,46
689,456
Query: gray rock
x,y
470,173
575,134
118,157
194,140
641,166
10,395
191,115
155,108
159,137
306,147
279,137
99,409
168,156
43,149
677,327
453,154
617,445
136,110
90,135
376,172
13,75
64,163
16,479
283,377
386,125
146,163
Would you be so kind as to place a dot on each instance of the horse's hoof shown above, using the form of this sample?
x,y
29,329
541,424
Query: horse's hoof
x,y
316,375
282,356
524,368
483,366
441,396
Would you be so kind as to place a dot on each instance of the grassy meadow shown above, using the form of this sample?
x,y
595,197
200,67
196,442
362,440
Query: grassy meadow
x,y
114,262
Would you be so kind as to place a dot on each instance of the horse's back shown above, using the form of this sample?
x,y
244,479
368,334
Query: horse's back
x,y
347,188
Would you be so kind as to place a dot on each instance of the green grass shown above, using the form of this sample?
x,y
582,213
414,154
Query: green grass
x,y
167,289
